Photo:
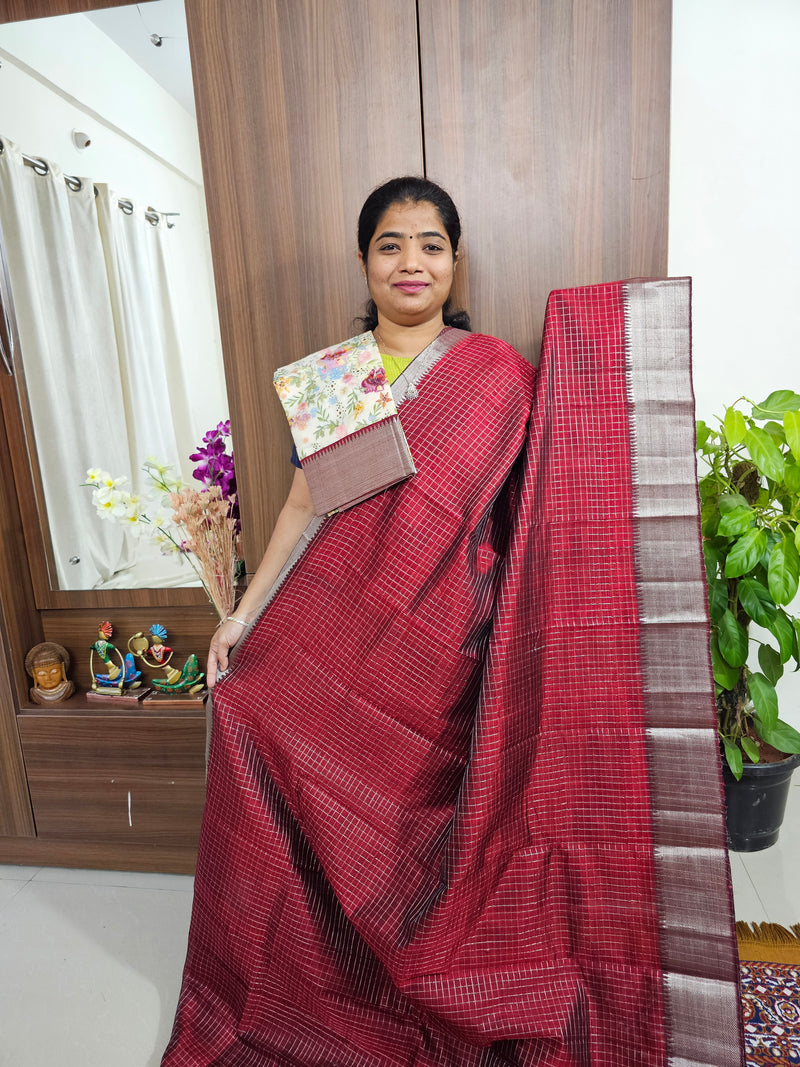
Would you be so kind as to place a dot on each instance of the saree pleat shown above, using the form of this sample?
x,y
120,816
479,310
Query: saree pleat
x,y
464,800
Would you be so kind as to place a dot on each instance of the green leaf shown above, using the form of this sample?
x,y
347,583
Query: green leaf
x,y
751,749
732,640
765,699
775,430
729,501
776,404
702,433
772,540
713,555
782,628
717,599
770,663
709,487
736,522
745,553
783,574
756,601
765,453
734,427
724,675
709,519
783,737
733,754
791,477
791,427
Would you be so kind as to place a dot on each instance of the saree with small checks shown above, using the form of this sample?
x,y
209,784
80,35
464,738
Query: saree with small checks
x,y
464,797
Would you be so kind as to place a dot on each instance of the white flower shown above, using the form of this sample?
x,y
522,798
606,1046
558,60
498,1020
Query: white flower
x,y
131,504
109,503
167,547
134,525
95,475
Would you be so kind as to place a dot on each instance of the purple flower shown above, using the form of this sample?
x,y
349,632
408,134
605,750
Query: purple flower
x,y
214,466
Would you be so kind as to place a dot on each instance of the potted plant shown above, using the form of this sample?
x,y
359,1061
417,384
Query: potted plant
x,y
750,510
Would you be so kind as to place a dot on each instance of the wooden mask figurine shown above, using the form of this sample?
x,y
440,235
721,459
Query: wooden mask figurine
x,y
48,663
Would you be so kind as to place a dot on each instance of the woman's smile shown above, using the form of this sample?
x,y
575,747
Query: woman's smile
x,y
410,287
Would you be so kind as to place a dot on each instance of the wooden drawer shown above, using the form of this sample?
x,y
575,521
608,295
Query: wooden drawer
x,y
116,779
118,809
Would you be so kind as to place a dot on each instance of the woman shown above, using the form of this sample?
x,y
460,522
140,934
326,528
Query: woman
x,y
413,854
384,621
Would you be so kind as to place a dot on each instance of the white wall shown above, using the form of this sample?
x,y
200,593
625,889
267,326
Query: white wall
x,y
63,73
734,191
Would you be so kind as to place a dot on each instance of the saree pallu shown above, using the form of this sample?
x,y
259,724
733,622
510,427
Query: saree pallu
x,y
464,797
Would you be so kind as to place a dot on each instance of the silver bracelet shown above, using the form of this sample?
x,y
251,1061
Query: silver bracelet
x,y
232,618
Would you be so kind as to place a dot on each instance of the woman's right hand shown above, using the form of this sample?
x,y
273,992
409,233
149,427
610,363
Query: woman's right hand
x,y
225,637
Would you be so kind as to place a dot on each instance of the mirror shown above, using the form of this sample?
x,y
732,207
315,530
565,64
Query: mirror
x,y
108,373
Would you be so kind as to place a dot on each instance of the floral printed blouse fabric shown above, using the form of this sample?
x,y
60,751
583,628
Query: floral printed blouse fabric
x,y
335,392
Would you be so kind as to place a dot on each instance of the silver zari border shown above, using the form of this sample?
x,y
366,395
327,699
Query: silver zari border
x,y
693,889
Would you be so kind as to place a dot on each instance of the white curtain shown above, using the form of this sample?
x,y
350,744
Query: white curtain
x,y
148,348
98,339
60,293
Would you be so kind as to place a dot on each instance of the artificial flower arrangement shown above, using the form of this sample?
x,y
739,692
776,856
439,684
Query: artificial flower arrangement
x,y
203,524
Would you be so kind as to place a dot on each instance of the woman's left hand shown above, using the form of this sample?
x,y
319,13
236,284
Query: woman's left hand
x,y
225,637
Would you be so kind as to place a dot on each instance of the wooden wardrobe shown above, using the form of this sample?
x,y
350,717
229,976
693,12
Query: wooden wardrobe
x,y
547,120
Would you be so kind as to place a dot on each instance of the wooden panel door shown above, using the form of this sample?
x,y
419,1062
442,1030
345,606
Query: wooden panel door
x,y
548,121
303,106
16,10
16,816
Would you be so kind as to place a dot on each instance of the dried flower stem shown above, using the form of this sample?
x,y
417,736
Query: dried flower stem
x,y
211,539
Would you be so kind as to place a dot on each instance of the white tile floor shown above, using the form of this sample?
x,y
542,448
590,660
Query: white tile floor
x,y
92,960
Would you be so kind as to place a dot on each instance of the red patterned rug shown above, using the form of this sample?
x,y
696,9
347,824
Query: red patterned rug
x,y
771,1003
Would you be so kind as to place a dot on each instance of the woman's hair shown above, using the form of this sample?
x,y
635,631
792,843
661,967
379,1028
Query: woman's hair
x,y
409,190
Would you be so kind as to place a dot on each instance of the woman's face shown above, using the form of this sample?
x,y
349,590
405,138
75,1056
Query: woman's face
x,y
410,266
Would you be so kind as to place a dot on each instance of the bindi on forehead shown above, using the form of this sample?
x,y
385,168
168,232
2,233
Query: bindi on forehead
x,y
400,235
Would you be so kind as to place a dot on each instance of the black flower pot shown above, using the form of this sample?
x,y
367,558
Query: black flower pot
x,y
756,803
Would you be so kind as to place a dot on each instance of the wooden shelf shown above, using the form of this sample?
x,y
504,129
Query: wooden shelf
x,y
79,705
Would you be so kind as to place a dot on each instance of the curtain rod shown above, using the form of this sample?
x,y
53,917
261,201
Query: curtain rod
x,y
42,167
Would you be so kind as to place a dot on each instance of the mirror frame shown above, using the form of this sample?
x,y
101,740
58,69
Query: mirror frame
x,y
13,399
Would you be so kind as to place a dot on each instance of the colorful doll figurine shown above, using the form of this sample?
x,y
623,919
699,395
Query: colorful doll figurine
x,y
124,676
160,651
139,645
189,679
47,663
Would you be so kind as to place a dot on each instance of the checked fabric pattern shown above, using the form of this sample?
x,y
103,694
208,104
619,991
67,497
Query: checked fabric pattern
x,y
438,830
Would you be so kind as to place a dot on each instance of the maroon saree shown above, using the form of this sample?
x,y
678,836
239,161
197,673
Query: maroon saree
x,y
464,792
